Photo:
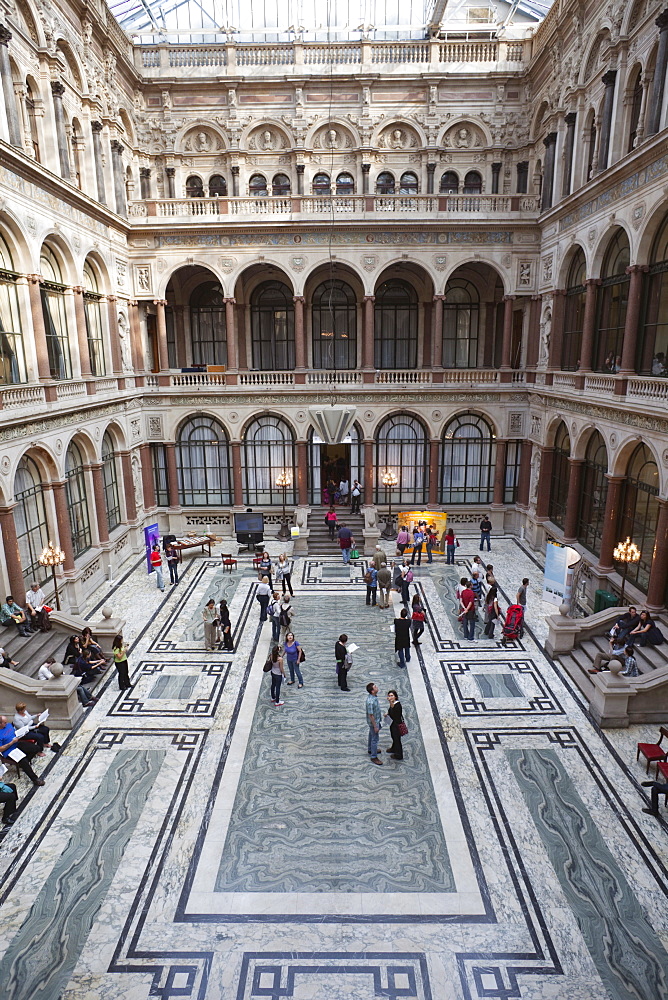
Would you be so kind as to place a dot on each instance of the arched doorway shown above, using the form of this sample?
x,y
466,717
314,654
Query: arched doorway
x,y
593,494
203,463
639,514
333,461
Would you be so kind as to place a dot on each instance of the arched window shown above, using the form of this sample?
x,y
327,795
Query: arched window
x,y
273,327
269,450
561,469
636,105
93,316
385,183
217,186
280,186
207,324
574,312
334,324
32,120
321,185
345,185
395,325
77,502
639,513
203,463
12,357
461,317
468,454
473,183
112,502
408,183
611,303
52,291
402,447
32,530
449,183
257,186
653,341
593,493
194,187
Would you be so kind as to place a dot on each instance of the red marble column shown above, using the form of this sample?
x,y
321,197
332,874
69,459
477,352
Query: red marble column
x,y
302,486
231,330
148,485
506,345
39,330
369,472
524,478
172,475
589,325
658,576
100,505
116,354
544,484
161,328
434,447
557,329
128,485
437,332
136,337
63,523
300,337
16,584
236,474
573,500
609,538
242,360
533,335
82,332
427,335
368,333
500,473
631,325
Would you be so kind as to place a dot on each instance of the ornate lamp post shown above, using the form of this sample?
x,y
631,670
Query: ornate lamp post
x,y
389,481
626,552
284,482
52,555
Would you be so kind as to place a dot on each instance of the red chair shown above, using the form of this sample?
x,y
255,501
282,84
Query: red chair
x,y
256,562
228,560
653,752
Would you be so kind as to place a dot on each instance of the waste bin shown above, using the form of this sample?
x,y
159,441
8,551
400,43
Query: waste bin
x,y
604,599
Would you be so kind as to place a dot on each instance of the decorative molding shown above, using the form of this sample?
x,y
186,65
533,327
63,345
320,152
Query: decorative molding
x,y
345,238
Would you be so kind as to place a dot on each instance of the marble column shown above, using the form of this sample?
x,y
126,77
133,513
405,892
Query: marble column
x,y
632,321
496,173
366,167
506,345
437,332
576,468
119,177
114,339
557,329
609,79
544,484
300,178
63,524
589,324
128,485
231,334
147,481
428,330
500,473
524,478
550,142
242,359
368,333
434,448
569,147
658,576
136,336
660,68
169,173
96,129
82,331
39,330
15,582
172,475
368,472
300,338
13,126
533,333
609,538
161,329
100,505
302,485
431,168
145,182
58,89
237,484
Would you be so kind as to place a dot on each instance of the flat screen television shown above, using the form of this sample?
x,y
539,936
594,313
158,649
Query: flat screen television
x,y
248,524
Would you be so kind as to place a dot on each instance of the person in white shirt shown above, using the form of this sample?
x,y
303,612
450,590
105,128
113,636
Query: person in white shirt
x,y
6,661
344,490
35,601
39,733
83,693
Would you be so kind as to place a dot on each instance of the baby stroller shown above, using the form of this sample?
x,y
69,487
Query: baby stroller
x,y
513,627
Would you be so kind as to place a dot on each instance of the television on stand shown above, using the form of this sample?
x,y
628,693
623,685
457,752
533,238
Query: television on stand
x,y
249,529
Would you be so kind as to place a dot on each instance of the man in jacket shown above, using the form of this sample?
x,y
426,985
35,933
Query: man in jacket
x,y
384,584
374,721
485,532
346,540
402,637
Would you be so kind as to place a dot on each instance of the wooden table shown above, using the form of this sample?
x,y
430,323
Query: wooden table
x,y
192,543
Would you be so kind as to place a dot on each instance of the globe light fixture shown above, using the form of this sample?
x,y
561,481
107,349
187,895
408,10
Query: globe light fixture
x,y
626,552
53,556
284,482
389,481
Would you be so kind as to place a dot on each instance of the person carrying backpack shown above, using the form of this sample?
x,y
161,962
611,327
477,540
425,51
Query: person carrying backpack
x,y
418,539
371,580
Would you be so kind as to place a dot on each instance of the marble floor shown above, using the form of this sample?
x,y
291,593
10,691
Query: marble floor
x,y
192,840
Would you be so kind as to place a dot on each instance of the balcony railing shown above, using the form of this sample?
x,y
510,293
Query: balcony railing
x,y
648,388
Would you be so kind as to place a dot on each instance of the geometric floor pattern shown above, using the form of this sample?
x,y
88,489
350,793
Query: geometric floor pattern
x,y
194,841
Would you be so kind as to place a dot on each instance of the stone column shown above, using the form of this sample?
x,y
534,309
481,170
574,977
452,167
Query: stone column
x,y
161,329
300,338
58,89
434,447
533,333
368,333
522,176
431,168
366,167
13,127
128,484
148,485
235,182
242,360
609,538
237,486
658,90
569,147
500,473
39,330
114,339
96,128
658,575
573,501
544,484
119,177
437,332
369,472
549,142
231,333
496,172
100,505
524,478
557,329
136,336
172,475
507,337
606,119
300,178
589,324
63,525
302,485
632,322
145,182
82,331
169,173
15,582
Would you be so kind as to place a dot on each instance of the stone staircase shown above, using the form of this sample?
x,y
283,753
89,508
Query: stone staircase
x,y
318,541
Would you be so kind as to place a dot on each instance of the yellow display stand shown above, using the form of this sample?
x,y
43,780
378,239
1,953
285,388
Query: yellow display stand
x,y
411,518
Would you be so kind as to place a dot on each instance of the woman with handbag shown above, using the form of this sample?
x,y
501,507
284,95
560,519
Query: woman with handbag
x,y
451,544
492,610
398,727
284,573
277,671
120,653
294,655
417,619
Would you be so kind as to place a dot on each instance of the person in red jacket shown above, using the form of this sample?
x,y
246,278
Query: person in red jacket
x,y
156,563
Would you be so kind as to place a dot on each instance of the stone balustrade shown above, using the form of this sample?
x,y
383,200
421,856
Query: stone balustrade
x,y
67,390
564,380
600,383
190,379
648,388
15,396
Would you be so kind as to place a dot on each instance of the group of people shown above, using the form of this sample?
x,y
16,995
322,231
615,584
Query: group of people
x,y
339,491
32,617
630,629
421,534
472,593
172,558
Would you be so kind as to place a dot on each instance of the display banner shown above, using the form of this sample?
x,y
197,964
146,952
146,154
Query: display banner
x,y
411,518
151,538
559,563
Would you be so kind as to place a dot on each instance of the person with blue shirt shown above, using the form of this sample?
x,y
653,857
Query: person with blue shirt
x,y
371,580
293,654
374,721
9,742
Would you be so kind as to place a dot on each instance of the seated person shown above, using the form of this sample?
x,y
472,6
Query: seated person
x,y
38,616
83,694
10,799
646,632
6,661
12,615
39,733
89,642
628,621
9,742
617,652
82,667
73,650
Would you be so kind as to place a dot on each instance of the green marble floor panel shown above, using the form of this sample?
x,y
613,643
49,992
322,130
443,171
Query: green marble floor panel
x,y
498,686
173,687
311,813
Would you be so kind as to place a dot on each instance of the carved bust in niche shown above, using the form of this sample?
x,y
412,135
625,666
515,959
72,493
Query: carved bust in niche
x,y
266,139
332,138
463,136
397,138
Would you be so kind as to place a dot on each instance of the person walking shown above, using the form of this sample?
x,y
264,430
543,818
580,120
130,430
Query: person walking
x,y
492,611
430,540
403,539
263,594
451,544
172,556
344,662
225,627
384,584
156,565
396,716
402,637
294,655
417,619
211,620
373,718
521,597
485,532
379,556
371,580
274,609
277,675
467,610
406,580
119,652
418,539
356,497
346,542
264,569
330,522
284,573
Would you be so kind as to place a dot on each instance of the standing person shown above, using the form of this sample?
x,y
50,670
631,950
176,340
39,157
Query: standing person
x,y
12,614
37,614
277,675
287,612
418,539
467,610
402,637
275,615
356,496
431,539
492,611
344,490
346,542
225,627
379,556
406,580
403,539
451,544
343,662
294,655
485,532
373,718
284,572
417,619
476,585
120,653
211,620
265,568
371,580
396,716
263,594
330,522
156,564
522,594
384,584
172,556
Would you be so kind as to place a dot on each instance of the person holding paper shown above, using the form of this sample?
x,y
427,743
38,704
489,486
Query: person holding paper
x,y
19,750
12,614
38,732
